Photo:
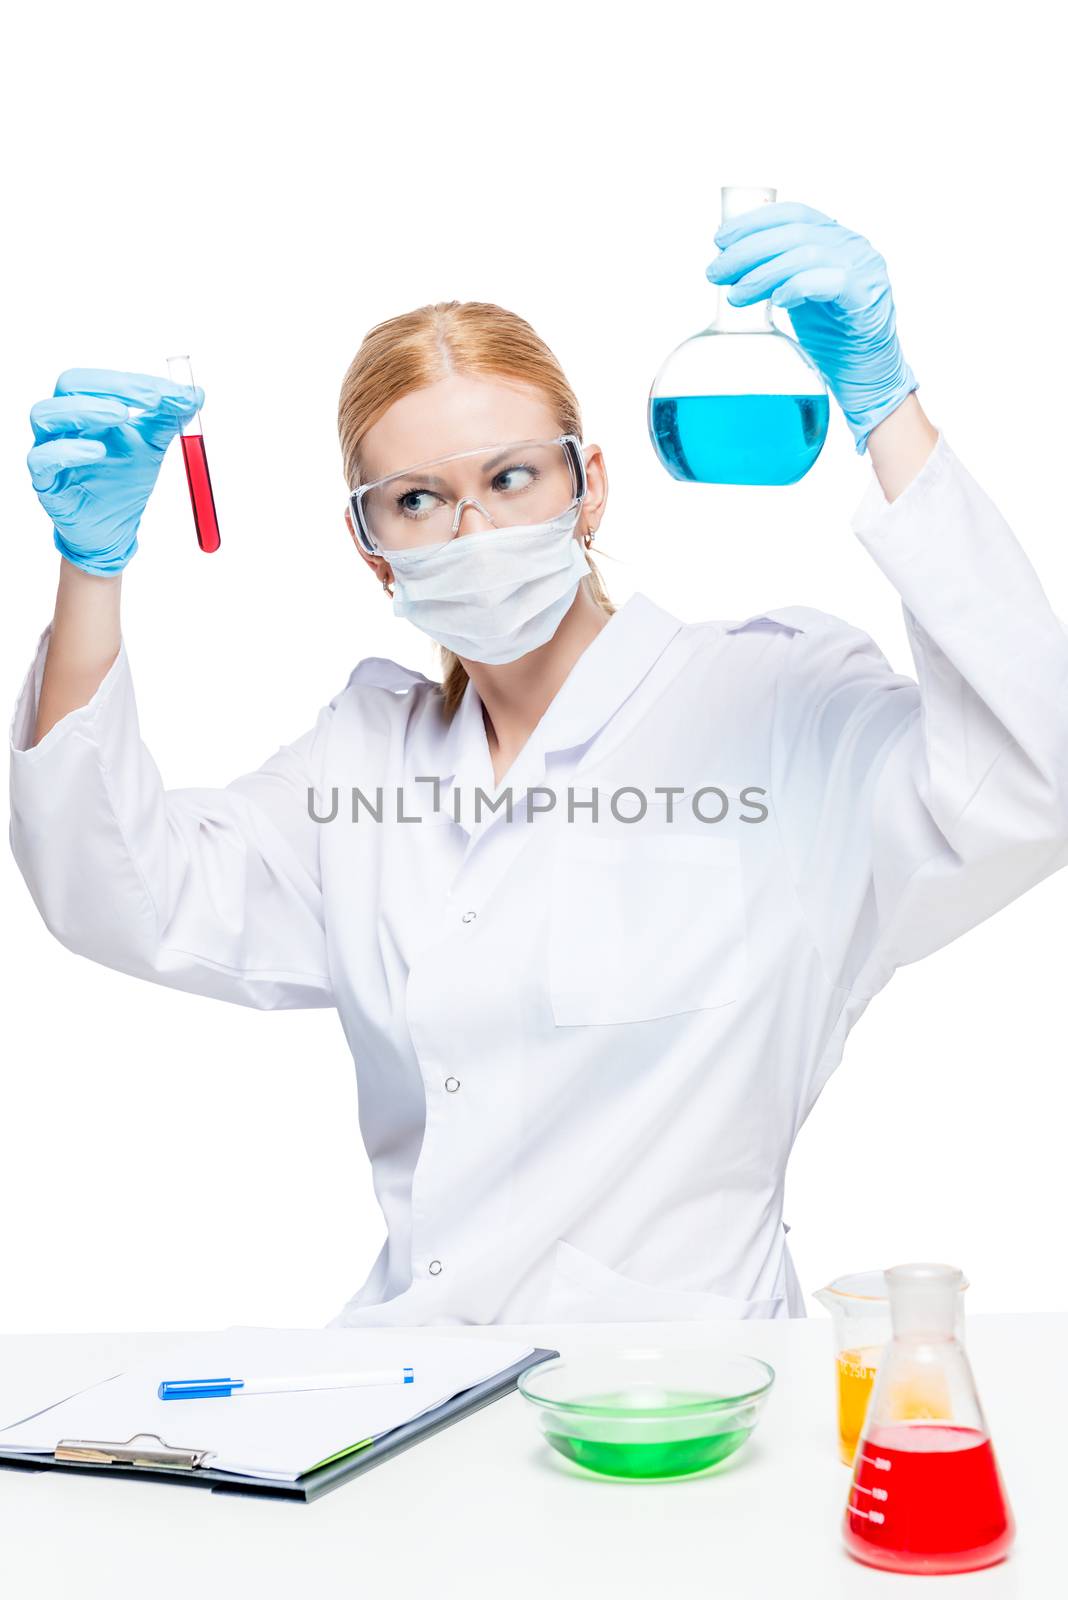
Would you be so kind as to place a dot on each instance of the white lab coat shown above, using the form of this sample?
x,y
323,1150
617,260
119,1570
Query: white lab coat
x,y
584,1049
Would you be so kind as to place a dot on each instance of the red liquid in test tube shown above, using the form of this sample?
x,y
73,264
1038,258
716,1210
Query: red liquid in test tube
x,y
196,465
199,480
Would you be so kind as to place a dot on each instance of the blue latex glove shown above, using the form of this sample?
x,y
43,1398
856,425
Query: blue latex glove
x,y
99,444
835,288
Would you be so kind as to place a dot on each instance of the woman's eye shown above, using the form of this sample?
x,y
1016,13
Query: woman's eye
x,y
416,503
513,479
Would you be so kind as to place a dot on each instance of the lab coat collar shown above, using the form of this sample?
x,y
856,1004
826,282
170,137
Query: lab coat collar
x,y
792,618
608,670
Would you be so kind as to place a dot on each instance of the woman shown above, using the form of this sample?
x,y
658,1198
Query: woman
x,y
589,1013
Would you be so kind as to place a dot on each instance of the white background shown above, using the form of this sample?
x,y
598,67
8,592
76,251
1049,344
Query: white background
x,y
259,185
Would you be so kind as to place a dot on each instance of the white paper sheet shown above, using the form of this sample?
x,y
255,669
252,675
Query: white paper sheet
x,y
278,1436
46,1369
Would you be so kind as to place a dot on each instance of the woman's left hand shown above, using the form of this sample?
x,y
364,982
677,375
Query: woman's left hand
x,y
835,287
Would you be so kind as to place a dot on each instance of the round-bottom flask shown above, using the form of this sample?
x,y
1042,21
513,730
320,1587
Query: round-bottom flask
x,y
739,402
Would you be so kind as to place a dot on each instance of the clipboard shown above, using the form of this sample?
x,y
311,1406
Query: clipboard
x,y
149,1457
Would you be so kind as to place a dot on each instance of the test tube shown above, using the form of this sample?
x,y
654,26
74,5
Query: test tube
x,y
197,475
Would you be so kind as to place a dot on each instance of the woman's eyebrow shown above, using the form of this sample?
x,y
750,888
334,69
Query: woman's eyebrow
x,y
437,482
430,478
495,460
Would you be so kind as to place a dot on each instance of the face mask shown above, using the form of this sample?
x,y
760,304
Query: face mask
x,y
492,596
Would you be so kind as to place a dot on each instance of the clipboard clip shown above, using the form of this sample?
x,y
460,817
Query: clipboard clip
x,y
130,1453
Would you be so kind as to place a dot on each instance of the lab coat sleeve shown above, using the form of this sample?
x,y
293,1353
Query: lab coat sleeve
x,y
215,891
913,810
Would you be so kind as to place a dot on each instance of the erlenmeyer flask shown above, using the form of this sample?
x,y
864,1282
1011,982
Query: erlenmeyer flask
x,y
739,402
927,1494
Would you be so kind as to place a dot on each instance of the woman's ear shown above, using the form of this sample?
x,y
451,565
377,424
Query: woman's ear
x,y
596,490
378,565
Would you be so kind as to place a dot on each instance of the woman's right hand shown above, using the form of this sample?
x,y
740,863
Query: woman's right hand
x,y
99,444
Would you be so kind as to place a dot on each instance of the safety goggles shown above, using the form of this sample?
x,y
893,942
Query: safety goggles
x,y
512,485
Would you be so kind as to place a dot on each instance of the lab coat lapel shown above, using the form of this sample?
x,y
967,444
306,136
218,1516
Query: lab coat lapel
x,y
466,767
604,676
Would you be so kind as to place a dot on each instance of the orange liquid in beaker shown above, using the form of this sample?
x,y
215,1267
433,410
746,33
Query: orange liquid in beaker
x,y
920,1396
856,1374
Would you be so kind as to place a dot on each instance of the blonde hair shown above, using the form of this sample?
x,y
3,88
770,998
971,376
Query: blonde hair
x,y
411,351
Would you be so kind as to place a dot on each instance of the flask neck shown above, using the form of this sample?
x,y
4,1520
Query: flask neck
x,y
924,1298
742,319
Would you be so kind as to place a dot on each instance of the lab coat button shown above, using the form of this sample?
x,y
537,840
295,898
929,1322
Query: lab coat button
x,y
469,916
434,1268
452,1084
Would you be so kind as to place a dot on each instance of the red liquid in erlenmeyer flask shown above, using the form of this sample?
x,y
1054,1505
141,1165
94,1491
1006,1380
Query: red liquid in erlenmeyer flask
x,y
927,1498
199,480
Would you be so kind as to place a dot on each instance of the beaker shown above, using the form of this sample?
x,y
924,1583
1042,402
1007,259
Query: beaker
x,y
927,1495
739,402
860,1310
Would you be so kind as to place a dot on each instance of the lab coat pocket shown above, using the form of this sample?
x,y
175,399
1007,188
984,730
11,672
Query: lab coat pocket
x,y
585,1290
644,926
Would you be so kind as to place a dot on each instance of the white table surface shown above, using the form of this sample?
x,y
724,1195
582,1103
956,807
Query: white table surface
x,y
486,1508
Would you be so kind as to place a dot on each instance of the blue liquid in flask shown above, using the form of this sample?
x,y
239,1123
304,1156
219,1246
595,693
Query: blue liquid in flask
x,y
739,438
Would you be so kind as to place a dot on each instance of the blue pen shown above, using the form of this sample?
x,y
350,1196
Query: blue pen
x,y
224,1388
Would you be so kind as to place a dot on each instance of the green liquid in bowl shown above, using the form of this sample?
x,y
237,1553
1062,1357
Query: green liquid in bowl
x,y
670,1456
672,1459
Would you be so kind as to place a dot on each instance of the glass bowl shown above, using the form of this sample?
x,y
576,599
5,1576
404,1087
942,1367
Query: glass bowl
x,y
647,1412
